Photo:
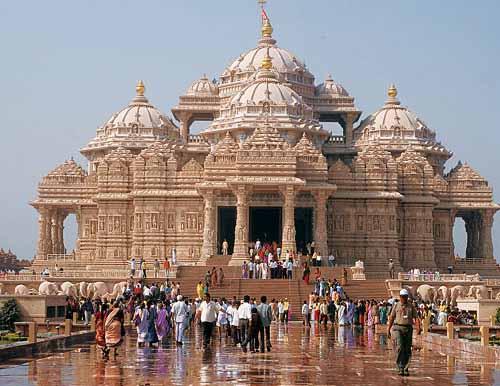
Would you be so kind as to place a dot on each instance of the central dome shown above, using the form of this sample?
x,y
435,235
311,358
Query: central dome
x,y
290,69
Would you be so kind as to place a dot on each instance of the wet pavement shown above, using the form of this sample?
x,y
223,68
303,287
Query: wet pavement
x,y
337,356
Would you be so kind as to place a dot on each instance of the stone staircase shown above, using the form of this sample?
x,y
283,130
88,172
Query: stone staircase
x,y
295,290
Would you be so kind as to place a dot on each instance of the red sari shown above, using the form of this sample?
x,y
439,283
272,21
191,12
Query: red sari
x,y
100,337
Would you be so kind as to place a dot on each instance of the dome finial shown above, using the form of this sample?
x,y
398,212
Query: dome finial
x,y
139,88
392,92
267,62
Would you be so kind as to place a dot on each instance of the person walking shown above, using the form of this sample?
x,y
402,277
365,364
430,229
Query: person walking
x,y
132,267
401,319
225,248
156,267
306,315
88,310
166,266
391,269
266,317
208,310
244,315
179,314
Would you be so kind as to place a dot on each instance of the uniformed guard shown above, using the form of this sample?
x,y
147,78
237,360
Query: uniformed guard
x,y
401,319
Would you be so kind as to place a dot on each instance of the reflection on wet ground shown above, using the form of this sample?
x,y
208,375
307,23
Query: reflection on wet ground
x,y
337,356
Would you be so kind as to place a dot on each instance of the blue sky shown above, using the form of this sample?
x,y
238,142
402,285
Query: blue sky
x,y
67,66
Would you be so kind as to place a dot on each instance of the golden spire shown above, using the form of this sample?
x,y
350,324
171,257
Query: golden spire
x,y
267,62
139,88
392,92
267,29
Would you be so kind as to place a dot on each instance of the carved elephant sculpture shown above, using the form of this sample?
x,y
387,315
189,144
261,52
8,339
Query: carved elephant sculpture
x,y
21,290
444,294
478,292
456,292
69,289
97,289
119,289
426,292
48,288
82,289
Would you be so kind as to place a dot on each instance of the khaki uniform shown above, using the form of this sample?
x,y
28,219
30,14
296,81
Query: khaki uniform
x,y
402,332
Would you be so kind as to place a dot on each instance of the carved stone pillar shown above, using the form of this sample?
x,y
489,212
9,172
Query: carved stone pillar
x,y
209,247
48,233
485,236
348,127
240,252
320,235
288,234
43,222
60,232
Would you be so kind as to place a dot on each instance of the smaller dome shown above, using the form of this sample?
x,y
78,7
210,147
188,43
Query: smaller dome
x,y
330,88
203,87
396,125
266,88
139,112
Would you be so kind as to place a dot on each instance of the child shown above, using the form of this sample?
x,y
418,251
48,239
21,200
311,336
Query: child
x,y
255,325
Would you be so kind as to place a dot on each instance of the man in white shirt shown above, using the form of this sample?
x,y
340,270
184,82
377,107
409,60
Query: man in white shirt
x,y
235,323
244,315
289,269
331,260
179,314
209,310
132,267
251,267
306,315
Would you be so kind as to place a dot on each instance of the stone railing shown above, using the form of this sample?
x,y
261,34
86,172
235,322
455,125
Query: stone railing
x,y
335,139
62,257
91,274
196,138
440,277
473,261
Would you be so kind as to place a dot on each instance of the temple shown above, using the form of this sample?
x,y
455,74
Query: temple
x,y
266,168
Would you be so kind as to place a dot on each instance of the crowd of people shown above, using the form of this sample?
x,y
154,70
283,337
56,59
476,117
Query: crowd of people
x,y
269,261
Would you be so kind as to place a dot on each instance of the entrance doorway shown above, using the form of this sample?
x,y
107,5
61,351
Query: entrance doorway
x,y
265,224
225,227
303,227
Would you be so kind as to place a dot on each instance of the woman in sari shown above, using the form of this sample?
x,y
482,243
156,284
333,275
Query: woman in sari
x,y
114,330
370,318
161,322
383,314
306,273
100,337
151,336
213,277
141,323
220,277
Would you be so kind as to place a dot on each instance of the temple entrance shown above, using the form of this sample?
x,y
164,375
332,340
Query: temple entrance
x,y
303,227
265,224
226,222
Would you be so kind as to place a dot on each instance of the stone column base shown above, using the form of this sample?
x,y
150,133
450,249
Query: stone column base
x,y
237,260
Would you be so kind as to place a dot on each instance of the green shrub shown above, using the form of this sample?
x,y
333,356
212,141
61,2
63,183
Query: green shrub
x,y
9,314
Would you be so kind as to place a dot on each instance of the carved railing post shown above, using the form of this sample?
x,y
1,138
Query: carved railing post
x,y
209,246
241,229
288,232
320,235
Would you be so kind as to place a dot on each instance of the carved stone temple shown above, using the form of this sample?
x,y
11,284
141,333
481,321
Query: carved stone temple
x,y
265,167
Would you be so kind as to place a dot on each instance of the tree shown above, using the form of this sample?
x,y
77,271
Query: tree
x,y
9,314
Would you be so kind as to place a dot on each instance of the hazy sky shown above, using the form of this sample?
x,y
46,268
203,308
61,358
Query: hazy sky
x,y
66,66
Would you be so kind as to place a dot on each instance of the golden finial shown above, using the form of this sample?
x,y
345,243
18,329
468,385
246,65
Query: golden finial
x,y
267,62
267,29
140,88
392,91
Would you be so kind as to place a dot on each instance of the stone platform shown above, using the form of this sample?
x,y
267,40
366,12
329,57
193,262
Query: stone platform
x,y
337,356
